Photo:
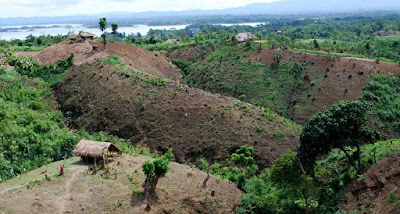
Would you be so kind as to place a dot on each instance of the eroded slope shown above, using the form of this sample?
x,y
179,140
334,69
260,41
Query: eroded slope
x,y
163,114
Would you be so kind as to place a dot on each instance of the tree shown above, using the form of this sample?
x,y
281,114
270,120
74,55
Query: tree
x,y
248,43
278,55
102,27
103,24
367,46
152,37
259,36
114,29
155,170
316,45
285,171
343,126
104,40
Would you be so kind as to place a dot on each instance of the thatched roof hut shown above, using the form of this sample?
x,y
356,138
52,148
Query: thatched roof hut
x,y
86,35
94,149
242,37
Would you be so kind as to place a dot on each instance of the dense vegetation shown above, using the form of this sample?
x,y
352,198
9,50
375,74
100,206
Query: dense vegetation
x,y
382,93
31,43
51,74
32,133
365,36
281,188
288,187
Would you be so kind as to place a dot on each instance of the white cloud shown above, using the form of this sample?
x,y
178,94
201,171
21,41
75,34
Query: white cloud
x,y
30,8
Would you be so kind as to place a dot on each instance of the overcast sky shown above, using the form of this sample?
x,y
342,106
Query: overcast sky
x,y
31,8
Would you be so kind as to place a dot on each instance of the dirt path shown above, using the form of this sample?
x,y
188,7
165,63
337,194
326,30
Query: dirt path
x,y
67,195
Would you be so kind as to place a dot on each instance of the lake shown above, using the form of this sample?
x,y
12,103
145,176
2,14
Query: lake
x,y
22,31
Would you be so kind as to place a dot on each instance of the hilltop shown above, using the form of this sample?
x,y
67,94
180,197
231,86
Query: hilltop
x,y
134,58
119,190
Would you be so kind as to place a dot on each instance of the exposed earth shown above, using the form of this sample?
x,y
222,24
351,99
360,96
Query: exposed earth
x,y
372,192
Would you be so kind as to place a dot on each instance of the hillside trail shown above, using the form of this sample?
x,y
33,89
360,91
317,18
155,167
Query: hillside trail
x,y
67,196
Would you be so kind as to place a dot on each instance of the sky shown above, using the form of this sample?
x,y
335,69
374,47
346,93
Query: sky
x,y
34,8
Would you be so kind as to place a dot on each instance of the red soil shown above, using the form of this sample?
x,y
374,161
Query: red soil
x,y
373,190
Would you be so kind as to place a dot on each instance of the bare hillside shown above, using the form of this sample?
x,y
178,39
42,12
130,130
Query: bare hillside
x,y
166,115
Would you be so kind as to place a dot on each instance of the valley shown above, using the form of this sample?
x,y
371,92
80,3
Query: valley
x,y
288,120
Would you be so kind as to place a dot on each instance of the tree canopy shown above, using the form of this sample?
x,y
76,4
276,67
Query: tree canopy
x,y
114,28
103,24
156,170
343,126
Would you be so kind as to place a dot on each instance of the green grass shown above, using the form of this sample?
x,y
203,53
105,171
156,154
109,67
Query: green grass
x,y
383,48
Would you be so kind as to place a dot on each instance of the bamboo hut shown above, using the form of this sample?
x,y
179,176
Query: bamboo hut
x,y
93,151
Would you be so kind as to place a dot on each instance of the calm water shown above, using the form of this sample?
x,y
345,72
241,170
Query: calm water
x,y
63,29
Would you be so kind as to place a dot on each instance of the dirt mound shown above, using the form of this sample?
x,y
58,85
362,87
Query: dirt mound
x,y
119,191
372,192
90,52
193,122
